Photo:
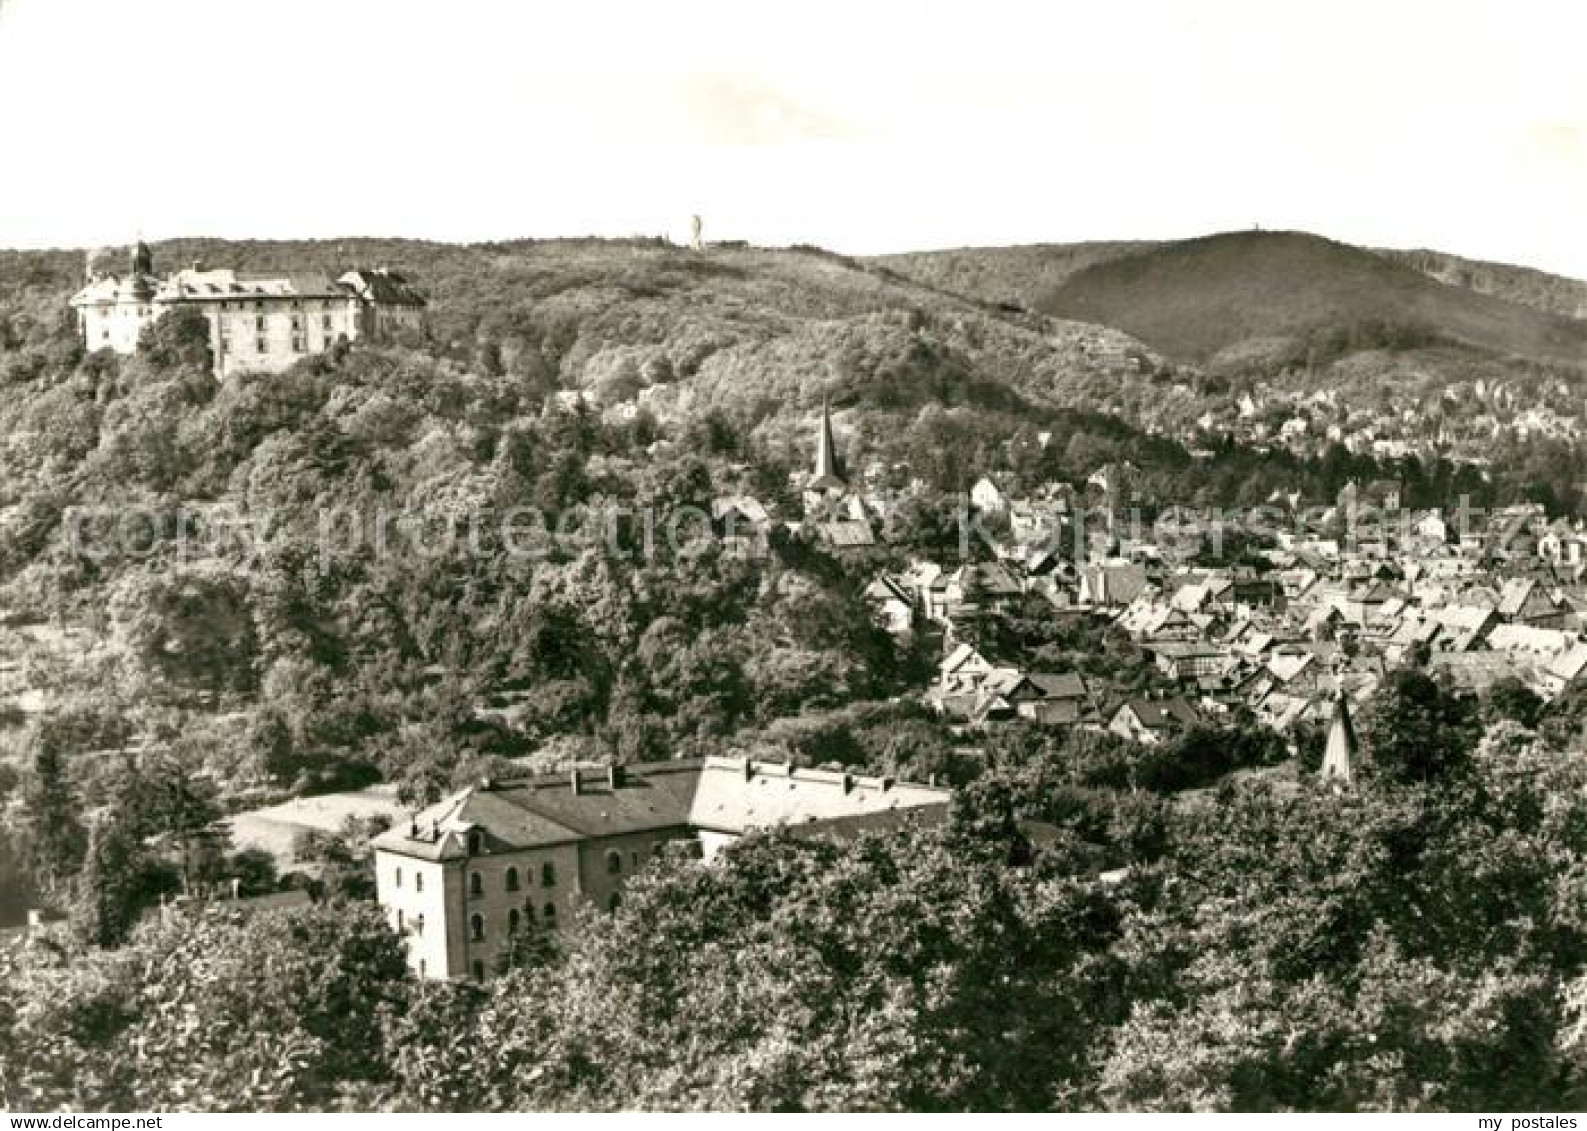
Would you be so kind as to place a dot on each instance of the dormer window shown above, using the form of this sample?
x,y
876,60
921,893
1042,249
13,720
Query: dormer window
x,y
475,843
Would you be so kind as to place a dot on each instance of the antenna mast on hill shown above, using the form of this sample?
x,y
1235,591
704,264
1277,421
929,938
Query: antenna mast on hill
x,y
696,226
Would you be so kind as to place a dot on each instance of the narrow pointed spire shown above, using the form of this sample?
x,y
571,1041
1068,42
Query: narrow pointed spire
x,y
1339,753
829,466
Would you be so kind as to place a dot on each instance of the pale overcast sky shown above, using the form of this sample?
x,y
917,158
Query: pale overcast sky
x,y
863,127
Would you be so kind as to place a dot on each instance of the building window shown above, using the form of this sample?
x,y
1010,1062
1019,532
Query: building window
x,y
479,970
476,885
418,881
398,879
512,879
297,323
258,323
297,345
548,875
418,924
259,345
512,921
327,321
614,862
476,928
421,967
635,860
550,914
402,920
612,901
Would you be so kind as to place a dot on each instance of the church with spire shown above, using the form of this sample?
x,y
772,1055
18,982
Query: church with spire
x,y
827,476
837,515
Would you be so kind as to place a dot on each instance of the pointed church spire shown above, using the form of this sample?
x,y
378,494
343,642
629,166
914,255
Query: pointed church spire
x,y
1340,751
829,467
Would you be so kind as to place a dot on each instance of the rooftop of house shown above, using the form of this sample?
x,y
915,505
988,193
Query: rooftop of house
x,y
728,795
1161,713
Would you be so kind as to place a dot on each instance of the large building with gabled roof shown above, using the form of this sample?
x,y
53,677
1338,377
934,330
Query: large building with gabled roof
x,y
258,323
461,878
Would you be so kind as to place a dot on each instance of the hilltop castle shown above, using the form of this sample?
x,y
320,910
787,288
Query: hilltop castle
x,y
257,323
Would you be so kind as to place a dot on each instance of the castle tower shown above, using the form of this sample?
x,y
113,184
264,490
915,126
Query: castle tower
x,y
1340,751
96,264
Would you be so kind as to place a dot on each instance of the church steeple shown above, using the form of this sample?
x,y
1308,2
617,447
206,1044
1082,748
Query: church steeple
x,y
1340,751
829,465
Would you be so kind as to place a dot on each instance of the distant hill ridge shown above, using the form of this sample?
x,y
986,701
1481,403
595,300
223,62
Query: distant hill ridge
x,y
1555,294
1194,298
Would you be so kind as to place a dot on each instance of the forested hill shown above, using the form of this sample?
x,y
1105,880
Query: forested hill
x,y
1524,286
268,664
753,332
1244,293
701,375
1195,298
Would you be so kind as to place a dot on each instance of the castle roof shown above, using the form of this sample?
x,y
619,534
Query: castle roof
x,y
221,284
382,287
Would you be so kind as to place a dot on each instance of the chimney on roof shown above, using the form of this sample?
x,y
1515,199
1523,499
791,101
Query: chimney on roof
x,y
413,829
578,781
887,784
848,783
614,777
749,768
198,265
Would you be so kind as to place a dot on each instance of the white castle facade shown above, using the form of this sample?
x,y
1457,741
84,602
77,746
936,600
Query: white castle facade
x,y
257,323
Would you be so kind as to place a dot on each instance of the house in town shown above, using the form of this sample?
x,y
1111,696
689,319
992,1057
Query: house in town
x,y
1153,719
